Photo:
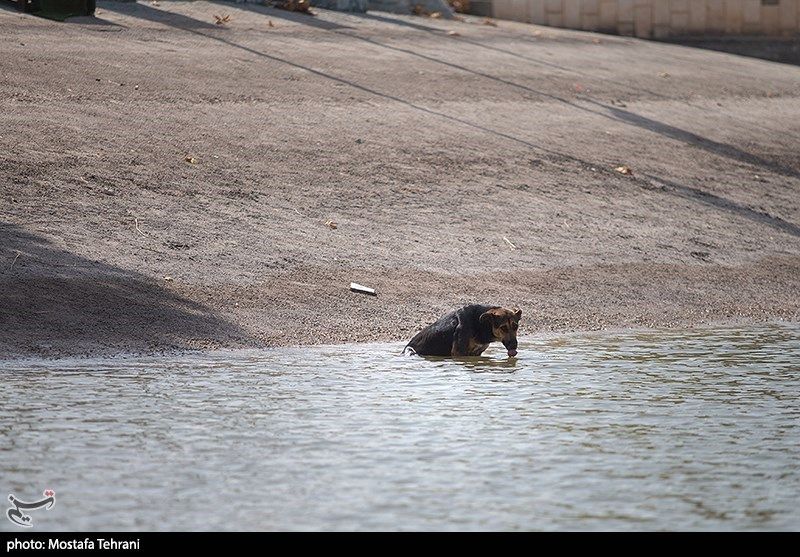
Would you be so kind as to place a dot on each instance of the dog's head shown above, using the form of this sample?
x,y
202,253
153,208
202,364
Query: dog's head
x,y
504,323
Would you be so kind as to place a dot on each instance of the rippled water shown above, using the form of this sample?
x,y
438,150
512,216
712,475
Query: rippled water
x,y
638,430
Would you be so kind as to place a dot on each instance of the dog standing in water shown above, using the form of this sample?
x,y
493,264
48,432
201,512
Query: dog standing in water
x,y
468,332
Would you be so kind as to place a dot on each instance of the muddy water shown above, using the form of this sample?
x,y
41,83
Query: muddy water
x,y
636,430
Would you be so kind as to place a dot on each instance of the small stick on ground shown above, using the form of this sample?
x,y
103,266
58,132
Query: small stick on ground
x,y
139,230
15,260
509,243
355,287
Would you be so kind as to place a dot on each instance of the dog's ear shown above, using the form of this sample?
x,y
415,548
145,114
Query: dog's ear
x,y
517,314
486,317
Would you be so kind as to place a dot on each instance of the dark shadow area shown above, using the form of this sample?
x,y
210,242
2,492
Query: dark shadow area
x,y
56,10
149,13
694,194
773,49
9,6
294,17
53,302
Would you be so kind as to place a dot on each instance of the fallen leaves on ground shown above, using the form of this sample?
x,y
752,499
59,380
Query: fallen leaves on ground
x,y
223,19
331,224
454,33
624,169
190,159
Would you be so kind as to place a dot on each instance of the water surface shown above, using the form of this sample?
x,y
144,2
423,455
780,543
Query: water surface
x,y
624,431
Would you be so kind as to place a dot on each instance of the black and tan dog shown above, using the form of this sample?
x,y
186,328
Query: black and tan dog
x,y
468,332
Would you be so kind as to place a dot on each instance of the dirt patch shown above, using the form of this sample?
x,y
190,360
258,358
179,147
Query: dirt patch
x,y
169,183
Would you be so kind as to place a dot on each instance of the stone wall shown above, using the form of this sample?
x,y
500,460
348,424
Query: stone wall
x,y
659,18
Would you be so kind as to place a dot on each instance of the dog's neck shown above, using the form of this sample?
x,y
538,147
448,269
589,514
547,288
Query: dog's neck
x,y
485,334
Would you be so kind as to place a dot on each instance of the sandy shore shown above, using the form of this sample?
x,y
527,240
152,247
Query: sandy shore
x,y
165,182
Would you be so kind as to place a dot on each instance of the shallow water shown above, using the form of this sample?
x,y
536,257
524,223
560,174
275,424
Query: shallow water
x,y
638,430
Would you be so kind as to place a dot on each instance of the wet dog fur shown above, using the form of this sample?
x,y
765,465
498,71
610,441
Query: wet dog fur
x,y
468,332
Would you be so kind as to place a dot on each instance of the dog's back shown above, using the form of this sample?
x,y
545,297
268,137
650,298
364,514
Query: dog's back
x,y
437,338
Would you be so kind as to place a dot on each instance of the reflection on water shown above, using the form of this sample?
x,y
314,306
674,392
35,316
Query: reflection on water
x,y
637,430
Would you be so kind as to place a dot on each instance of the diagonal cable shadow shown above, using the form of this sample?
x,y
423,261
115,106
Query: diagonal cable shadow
x,y
394,98
694,140
609,112
707,198
613,113
537,61
620,115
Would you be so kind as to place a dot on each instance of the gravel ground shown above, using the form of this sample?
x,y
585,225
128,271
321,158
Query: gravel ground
x,y
165,182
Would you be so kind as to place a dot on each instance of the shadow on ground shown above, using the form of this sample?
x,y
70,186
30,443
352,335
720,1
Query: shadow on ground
x,y
55,302
588,105
775,49
722,204
164,17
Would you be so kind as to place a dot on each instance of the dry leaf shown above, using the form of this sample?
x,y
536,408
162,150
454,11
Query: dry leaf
x,y
222,20
436,15
624,169
270,23
190,159
454,33
663,74
331,224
